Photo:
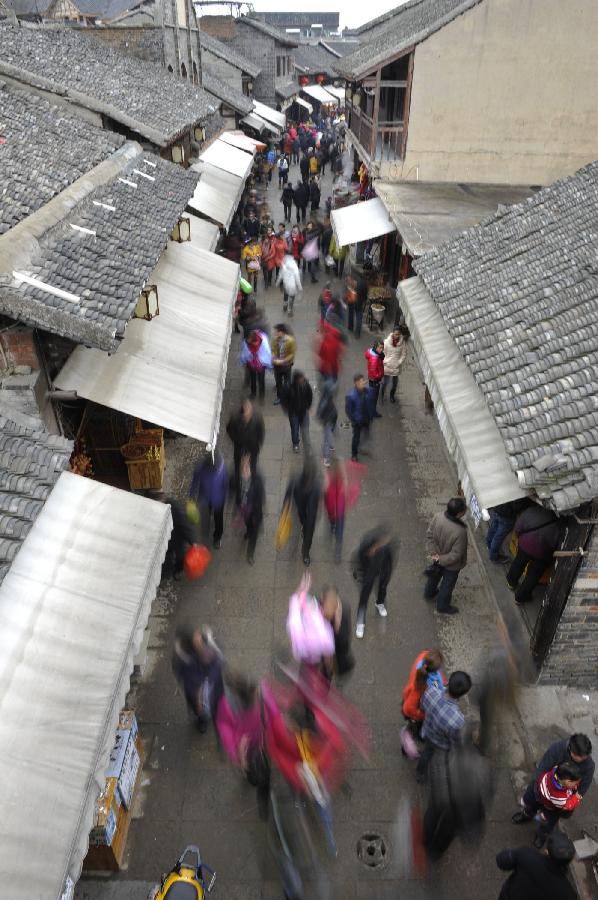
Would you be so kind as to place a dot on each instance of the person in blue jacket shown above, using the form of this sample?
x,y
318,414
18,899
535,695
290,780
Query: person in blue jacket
x,y
357,409
208,489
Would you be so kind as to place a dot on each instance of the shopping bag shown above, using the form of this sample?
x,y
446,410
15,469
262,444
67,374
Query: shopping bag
x,y
245,286
192,511
197,559
311,250
285,524
408,745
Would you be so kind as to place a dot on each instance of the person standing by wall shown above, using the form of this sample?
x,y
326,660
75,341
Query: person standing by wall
x,y
356,407
395,352
446,545
375,362
539,533
538,874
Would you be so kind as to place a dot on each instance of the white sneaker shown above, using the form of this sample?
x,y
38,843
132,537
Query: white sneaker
x,y
359,631
382,611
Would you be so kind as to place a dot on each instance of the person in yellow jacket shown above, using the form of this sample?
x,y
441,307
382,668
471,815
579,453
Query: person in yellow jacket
x,y
252,257
339,254
313,164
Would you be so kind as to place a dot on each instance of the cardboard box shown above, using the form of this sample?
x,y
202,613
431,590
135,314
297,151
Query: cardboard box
x,y
128,722
117,754
128,774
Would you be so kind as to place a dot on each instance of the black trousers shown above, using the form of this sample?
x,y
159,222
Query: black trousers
x,y
206,515
287,211
282,377
535,570
366,589
257,381
237,454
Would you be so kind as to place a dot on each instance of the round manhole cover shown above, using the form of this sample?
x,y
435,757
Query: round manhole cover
x,y
372,850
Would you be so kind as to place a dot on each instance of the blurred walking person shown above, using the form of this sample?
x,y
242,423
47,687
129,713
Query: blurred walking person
x,y
208,489
290,279
197,666
357,409
245,428
305,489
284,347
339,615
327,415
375,362
250,506
256,356
374,559
296,399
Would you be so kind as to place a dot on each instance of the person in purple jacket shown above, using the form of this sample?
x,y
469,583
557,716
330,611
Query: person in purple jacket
x,y
208,488
539,533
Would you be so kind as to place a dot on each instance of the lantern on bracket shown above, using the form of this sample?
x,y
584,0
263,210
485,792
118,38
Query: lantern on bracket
x,y
303,80
178,153
147,304
199,133
182,230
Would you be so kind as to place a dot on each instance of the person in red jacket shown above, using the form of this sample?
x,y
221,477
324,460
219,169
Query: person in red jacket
x,y
296,243
330,351
426,670
554,794
375,360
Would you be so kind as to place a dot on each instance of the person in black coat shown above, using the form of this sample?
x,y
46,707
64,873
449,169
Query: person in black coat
x,y
339,615
287,200
181,537
305,490
197,666
246,430
374,561
296,400
301,199
356,309
304,168
250,503
538,874
314,195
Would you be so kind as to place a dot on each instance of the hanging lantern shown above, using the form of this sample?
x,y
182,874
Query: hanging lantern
x,y
147,304
182,230
320,78
303,80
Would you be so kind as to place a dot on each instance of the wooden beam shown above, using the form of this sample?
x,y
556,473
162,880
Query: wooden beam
x,y
375,115
393,84
407,104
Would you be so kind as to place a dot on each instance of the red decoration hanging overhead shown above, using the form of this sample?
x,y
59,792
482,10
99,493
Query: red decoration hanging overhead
x,y
320,79
303,80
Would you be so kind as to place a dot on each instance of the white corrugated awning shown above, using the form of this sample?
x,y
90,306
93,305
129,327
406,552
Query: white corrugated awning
x,y
318,93
338,92
228,158
304,103
470,431
240,140
217,194
207,233
360,222
259,145
169,371
259,124
269,114
73,608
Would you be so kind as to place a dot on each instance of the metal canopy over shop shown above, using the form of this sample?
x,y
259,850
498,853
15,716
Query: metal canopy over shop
x,y
360,222
428,214
73,608
169,371
217,194
304,103
318,93
269,114
240,140
259,124
470,432
228,158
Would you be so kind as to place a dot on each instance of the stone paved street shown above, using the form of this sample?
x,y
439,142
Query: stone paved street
x,y
189,793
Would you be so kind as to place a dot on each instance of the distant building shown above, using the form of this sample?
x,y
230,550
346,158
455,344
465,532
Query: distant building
x,y
267,47
308,24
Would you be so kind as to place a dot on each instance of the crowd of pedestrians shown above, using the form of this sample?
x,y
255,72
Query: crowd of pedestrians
x,y
305,731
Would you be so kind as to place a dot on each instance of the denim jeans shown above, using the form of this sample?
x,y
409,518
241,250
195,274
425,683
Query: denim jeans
x,y
299,424
355,319
444,581
357,429
498,529
393,390
373,392
327,446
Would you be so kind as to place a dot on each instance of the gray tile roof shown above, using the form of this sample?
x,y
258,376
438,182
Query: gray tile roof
x,y
106,271
288,90
340,48
272,32
519,296
46,148
31,461
314,58
225,92
229,54
141,95
397,30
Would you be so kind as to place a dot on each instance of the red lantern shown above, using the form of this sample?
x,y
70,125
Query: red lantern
x,y
320,79
303,80
197,559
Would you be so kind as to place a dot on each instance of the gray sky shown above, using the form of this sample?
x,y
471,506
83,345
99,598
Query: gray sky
x,y
353,12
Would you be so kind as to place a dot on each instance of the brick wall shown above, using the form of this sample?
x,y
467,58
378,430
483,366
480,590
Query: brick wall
x,y
573,657
221,27
261,49
18,349
145,43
